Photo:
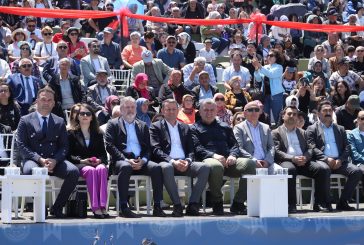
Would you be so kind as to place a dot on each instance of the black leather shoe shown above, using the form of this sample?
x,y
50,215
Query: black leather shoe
x,y
238,208
218,209
57,213
292,209
127,213
322,208
344,206
193,209
158,212
99,216
177,211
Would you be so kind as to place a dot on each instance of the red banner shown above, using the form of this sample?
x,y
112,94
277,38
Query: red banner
x,y
69,14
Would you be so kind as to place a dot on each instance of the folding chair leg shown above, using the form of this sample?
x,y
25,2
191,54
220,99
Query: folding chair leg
x,y
148,194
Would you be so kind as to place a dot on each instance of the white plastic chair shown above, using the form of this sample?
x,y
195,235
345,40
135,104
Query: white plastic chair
x,y
121,80
301,188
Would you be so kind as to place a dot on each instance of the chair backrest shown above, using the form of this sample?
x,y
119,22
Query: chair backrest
x,y
121,80
7,145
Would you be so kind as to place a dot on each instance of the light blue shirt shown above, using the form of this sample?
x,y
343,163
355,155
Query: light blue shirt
x,y
257,142
132,142
205,94
294,147
274,73
243,73
330,142
187,70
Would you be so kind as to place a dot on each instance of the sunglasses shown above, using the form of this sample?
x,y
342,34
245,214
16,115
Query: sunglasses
x,y
25,48
96,46
48,34
360,118
253,110
292,114
271,55
26,66
239,119
31,26
74,34
360,51
62,47
4,91
220,99
85,113
109,5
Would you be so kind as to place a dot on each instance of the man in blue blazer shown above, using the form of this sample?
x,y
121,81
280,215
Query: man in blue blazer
x,y
24,86
356,142
43,142
127,142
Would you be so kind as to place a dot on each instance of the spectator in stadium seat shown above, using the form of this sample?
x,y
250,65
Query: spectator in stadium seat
x,y
341,94
346,114
77,49
17,36
235,69
186,46
356,142
170,55
187,113
92,63
191,72
204,90
59,36
193,10
132,53
105,115
9,108
110,50
358,62
25,53
157,72
319,55
33,33
236,98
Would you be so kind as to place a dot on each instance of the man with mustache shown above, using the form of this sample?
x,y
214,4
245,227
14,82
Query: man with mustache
x,y
92,63
330,139
127,142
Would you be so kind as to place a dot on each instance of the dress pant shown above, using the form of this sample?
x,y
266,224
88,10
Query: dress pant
x,y
319,171
243,166
152,169
197,170
354,175
64,170
361,166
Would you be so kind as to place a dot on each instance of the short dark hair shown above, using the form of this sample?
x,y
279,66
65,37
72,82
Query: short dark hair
x,y
169,101
149,34
46,89
30,19
92,42
236,53
289,107
322,104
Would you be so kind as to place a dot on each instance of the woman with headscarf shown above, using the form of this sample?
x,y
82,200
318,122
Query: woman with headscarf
x,y
174,89
186,46
223,114
279,33
139,89
25,52
264,46
110,102
187,113
142,111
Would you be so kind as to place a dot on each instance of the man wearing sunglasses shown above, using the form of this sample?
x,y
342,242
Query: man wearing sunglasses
x,y
33,33
293,152
356,142
93,62
171,56
24,86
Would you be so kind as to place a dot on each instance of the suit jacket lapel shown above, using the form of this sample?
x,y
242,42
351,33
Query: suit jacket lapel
x,y
138,133
81,138
166,129
122,126
320,132
283,134
247,129
337,135
301,139
263,138
36,123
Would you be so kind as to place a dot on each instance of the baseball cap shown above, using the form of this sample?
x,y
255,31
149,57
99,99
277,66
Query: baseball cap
x,y
100,71
332,11
147,56
344,61
108,30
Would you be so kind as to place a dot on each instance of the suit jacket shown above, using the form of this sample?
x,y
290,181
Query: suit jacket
x,y
356,142
94,97
32,144
281,145
6,141
162,71
316,138
196,92
245,140
160,141
17,84
116,139
79,150
88,70
51,68
78,93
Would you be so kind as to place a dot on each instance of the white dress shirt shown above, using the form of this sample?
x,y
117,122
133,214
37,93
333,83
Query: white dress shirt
x,y
294,147
177,151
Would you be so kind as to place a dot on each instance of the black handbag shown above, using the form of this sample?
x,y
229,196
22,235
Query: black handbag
x,y
76,206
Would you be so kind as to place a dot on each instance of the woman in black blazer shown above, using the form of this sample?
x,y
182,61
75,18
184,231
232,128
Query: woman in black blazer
x,y
87,152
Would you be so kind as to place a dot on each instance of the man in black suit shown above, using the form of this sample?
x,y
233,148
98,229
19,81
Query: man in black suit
x,y
42,141
330,139
127,141
172,147
293,152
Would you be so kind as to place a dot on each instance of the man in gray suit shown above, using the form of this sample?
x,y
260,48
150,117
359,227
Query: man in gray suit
x,y
330,140
293,152
158,72
255,138
92,63
43,142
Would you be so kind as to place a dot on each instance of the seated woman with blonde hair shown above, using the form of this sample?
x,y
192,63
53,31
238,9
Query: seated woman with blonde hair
x,y
236,98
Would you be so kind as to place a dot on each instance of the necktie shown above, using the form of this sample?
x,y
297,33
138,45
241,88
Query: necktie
x,y
44,126
29,95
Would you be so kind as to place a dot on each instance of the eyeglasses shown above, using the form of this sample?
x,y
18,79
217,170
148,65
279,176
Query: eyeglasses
x,y
109,5
271,55
62,47
31,26
85,113
240,119
292,114
220,99
253,110
74,34
26,66
25,48
360,118
96,46
48,34
4,91
360,50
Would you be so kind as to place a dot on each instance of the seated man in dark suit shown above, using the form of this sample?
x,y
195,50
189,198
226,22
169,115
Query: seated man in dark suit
x,y
172,147
293,152
330,139
24,86
216,146
127,142
43,142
